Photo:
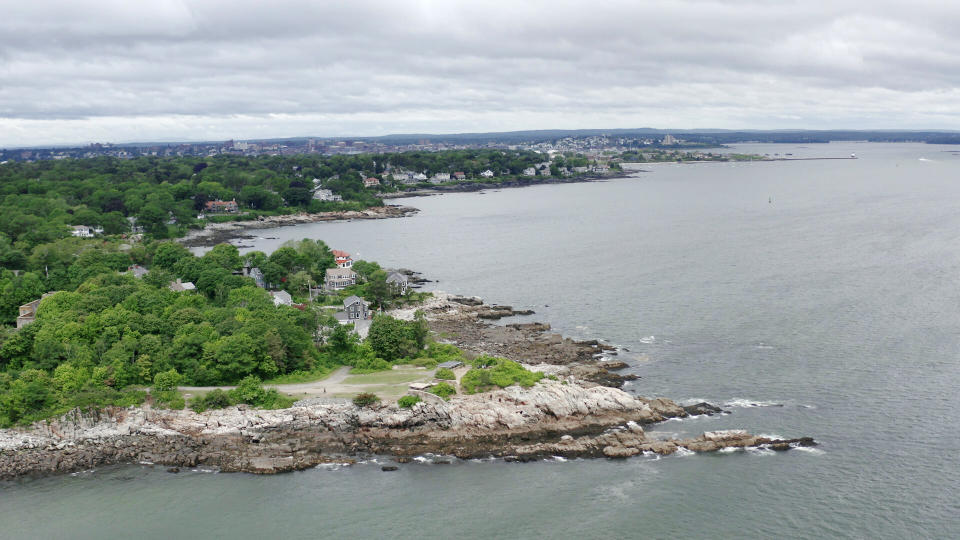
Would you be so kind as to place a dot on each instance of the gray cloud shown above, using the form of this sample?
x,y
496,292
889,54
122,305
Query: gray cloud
x,y
76,71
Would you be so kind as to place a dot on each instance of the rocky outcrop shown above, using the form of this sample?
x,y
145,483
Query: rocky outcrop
x,y
551,418
703,408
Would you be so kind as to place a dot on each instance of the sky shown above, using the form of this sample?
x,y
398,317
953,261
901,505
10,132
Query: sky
x,y
80,71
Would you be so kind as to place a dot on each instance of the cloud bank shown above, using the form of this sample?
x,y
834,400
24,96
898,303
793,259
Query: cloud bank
x,y
112,70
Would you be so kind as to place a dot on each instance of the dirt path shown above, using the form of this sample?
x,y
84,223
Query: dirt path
x,y
341,383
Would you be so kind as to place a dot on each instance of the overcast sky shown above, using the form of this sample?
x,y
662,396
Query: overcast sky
x,y
76,71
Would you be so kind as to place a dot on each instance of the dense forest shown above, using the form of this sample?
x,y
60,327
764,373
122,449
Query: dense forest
x,y
105,336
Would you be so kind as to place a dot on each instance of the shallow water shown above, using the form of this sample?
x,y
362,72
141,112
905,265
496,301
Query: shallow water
x,y
812,298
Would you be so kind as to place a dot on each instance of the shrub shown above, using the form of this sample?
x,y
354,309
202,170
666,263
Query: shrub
x,y
169,399
485,360
408,401
249,391
503,373
443,352
365,399
215,399
443,390
166,380
445,374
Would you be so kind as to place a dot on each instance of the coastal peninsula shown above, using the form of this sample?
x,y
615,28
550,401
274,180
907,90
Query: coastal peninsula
x,y
565,414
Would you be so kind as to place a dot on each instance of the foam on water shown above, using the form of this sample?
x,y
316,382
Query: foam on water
x,y
747,403
647,340
809,450
684,452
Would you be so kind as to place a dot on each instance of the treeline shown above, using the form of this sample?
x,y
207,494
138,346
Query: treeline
x,y
39,201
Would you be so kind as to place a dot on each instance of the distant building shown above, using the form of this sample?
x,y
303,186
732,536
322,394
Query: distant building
x,y
398,282
337,279
529,171
370,182
28,312
668,140
459,176
85,231
222,206
256,275
137,271
326,195
180,286
439,178
487,174
420,177
281,298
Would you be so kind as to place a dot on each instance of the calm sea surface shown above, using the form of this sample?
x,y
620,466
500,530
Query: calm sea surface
x,y
816,298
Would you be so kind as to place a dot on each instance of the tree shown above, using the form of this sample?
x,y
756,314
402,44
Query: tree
x,y
378,290
392,339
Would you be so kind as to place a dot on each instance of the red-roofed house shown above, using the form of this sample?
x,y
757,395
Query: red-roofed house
x,y
370,182
342,258
459,176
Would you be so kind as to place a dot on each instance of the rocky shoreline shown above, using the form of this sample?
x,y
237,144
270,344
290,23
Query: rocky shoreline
x,y
215,233
579,414
470,187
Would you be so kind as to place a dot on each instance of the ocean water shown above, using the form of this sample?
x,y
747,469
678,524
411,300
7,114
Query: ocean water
x,y
817,298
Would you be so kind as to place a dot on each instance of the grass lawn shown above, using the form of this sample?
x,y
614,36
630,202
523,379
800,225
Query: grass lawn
x,y
394,376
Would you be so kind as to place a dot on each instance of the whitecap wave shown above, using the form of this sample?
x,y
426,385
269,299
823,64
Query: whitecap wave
x,y
760,451
684,452
729,449
771,436
809,450
647,340
559,459
747,403
330,466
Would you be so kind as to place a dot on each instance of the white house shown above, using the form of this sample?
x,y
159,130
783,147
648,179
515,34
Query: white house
x,y
440,177
85,231
529,171
420,177
326,195
342,258
487,174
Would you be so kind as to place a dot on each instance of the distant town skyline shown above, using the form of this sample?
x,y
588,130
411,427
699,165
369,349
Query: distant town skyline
x,y
81,71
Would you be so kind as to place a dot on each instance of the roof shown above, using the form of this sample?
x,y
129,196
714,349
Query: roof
x,y
396,276
338,253
340,272
352,300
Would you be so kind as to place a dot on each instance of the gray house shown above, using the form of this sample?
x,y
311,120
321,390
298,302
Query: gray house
x,y
257,275
355,308
281,298
339,279
398,283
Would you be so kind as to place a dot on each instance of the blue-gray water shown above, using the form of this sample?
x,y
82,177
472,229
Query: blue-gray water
x,y
830,289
